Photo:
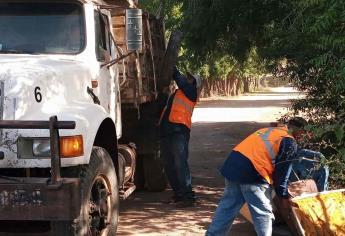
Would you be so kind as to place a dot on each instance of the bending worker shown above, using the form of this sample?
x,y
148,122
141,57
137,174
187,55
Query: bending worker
x,y
175,125
262,159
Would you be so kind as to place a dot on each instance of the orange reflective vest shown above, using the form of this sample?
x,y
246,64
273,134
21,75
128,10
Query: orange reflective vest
x,y
262,148
181,110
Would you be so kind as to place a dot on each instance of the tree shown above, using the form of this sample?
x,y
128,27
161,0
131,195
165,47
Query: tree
x,y
310,38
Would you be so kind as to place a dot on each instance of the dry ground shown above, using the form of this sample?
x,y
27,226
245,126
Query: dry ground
x,y
218,124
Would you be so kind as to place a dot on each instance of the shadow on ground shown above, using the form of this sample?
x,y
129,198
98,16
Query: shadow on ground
x,y
151,215
218,125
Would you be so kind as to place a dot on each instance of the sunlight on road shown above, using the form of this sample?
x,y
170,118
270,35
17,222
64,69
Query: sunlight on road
x,y
266,114
258,107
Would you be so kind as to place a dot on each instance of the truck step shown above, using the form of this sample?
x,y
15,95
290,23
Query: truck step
x,y
127,190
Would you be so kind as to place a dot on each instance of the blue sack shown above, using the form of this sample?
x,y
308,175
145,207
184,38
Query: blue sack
x,y
306,165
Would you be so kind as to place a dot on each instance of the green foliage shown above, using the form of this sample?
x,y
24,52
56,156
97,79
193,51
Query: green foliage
x,y
314,48
254,66
171,10
208,49
150,5
222,67
310,37
230,27
329,138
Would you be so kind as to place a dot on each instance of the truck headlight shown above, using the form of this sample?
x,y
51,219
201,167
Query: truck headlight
x,y
70,146
41,147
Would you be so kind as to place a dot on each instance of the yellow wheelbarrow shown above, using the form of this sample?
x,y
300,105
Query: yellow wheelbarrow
x,y
311,213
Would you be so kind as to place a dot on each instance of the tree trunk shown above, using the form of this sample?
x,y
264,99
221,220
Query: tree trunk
x,y
232,85
238,86
246,85
228,86
207,89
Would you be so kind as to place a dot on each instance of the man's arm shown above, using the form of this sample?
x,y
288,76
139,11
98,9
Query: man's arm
x,y
188,89
283,166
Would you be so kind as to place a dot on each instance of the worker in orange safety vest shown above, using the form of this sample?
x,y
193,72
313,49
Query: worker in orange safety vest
x,y
261,160
175,125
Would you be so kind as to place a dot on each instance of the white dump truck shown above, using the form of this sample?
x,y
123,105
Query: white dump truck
x,y
78,100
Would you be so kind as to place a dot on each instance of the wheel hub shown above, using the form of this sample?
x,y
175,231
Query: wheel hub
x,y
99,207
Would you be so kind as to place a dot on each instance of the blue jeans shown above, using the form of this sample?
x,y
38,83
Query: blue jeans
x,y
258,198
174,151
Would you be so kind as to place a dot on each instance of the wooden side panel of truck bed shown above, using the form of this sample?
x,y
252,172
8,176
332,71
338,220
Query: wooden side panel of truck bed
x,y
139,72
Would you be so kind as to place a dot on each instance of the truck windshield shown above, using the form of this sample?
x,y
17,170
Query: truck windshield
x,y
41,27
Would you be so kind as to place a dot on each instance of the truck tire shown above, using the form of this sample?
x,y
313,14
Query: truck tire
x,y
155,179
99,199
139,176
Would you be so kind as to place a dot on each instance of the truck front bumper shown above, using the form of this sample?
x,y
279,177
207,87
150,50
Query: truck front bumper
x,y
37,199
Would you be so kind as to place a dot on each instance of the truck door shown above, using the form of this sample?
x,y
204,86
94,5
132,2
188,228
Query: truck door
x,y
108,85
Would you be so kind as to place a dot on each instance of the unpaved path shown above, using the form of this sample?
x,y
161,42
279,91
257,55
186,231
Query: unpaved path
x,y
218,124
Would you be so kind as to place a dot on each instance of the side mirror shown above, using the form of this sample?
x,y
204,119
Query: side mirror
x,y
134,29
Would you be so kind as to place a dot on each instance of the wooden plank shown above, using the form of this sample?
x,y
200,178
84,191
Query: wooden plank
x,y
119,20
170,59
141,68
150,50
122,3
120,35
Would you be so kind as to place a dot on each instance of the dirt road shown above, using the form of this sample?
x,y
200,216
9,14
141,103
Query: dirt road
x,y
218,125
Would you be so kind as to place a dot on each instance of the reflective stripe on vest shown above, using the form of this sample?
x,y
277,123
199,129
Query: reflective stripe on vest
x,y
262,148
269,147
182,103
181,109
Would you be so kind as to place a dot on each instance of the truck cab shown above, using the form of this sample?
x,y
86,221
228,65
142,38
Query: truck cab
x,y
63,69
52,57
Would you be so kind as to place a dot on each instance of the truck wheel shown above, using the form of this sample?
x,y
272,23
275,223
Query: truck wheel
x,y
155,179
139,177
99,199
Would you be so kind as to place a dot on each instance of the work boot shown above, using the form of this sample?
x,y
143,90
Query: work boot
x,y
174,199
